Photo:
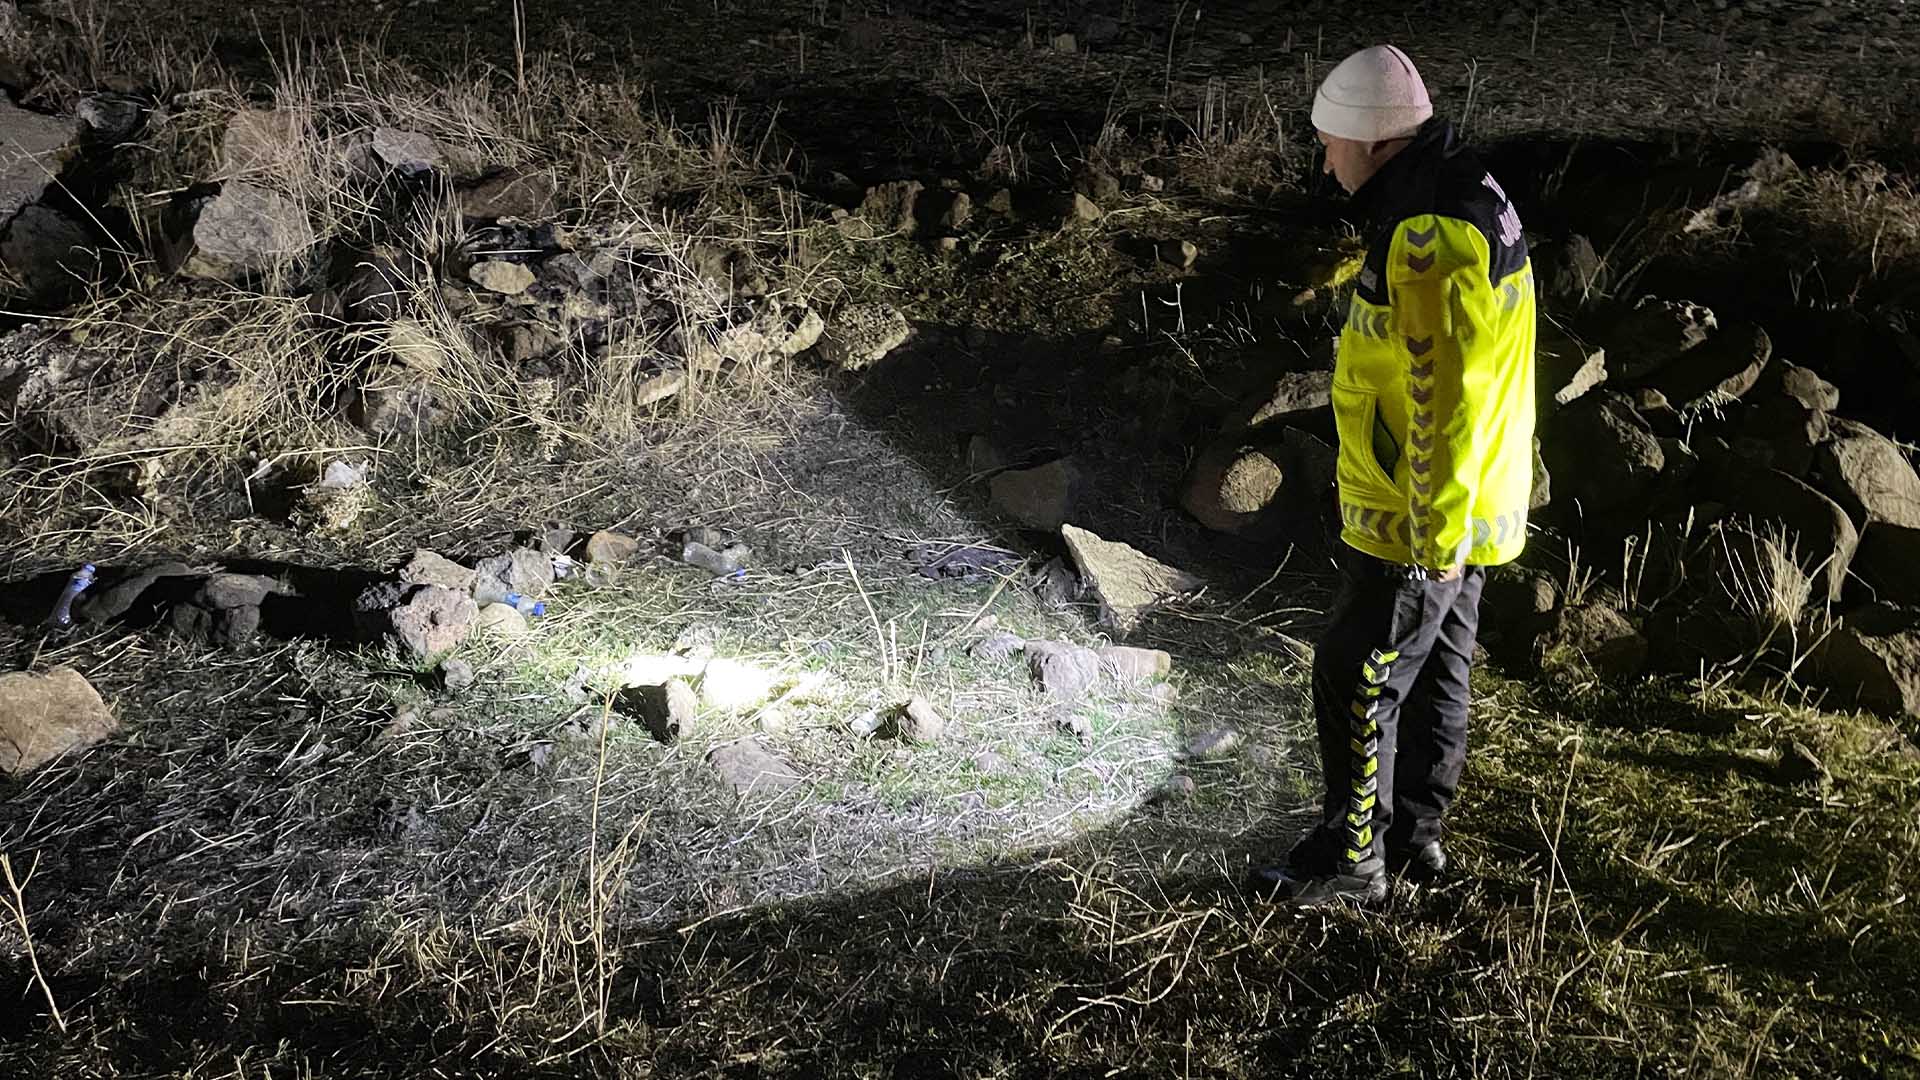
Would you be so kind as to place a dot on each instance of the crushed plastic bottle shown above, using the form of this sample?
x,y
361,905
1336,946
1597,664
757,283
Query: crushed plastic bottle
x,y
721,564
525,605
63,608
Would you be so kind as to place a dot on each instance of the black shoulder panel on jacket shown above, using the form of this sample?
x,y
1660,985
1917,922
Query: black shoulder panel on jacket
x,y
1436,174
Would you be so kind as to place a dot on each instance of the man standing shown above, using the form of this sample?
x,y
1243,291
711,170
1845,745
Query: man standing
x,y
1433,402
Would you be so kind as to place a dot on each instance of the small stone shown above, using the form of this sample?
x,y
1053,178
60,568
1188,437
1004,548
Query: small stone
x,y
893,208
1176,788
919,722
1063,669
1039,498
502,621
223,591
456,675
947,245
1083,211
959,212
1152,183
989,763
1210,745
409,152
45,716
1127,664
752,770
500,276
1065,43
774,721
997,647
1179,253
608,548
1000,202
431,568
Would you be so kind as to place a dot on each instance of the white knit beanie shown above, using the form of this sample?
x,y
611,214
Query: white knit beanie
x,y
1372,96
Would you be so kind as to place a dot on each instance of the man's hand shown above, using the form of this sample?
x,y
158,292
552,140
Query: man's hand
x,y
1450,574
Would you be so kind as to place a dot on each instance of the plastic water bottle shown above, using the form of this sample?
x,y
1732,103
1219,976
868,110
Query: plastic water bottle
x,y
77,584
525,605
721,564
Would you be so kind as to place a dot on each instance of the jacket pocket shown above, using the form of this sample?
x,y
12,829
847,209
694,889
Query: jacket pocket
x,y
1356,420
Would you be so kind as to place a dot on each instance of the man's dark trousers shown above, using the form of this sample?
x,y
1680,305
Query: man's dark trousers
x,y
1390,693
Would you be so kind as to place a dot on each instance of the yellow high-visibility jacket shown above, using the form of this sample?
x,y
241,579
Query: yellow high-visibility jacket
x,y
1433,385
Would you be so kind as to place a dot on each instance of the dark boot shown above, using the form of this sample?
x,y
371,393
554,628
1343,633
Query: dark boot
x,y
1423,864
1322,891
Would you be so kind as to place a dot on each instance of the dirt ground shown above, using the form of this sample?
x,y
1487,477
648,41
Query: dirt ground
x,y
309,859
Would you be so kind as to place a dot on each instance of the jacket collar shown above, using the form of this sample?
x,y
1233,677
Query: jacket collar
x,y
1384,198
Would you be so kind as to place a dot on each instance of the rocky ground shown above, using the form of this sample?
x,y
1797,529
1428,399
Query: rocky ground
x,y
608,562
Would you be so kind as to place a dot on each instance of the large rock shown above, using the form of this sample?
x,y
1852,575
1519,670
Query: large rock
x,y
1574,271
522,570
424,620
862,335
1518,601
1607,639
520,192
1127,582
33,149
44,716
1652,335
1043,497
1292,397
1825,537
1869,476
1229,489
51,254
1602,455
1873,659
1716,373
243,231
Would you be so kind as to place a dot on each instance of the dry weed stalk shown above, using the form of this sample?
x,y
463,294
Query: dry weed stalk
x,y
16,904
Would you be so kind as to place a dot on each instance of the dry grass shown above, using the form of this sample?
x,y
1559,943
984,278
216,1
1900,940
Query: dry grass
x,y
269,873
